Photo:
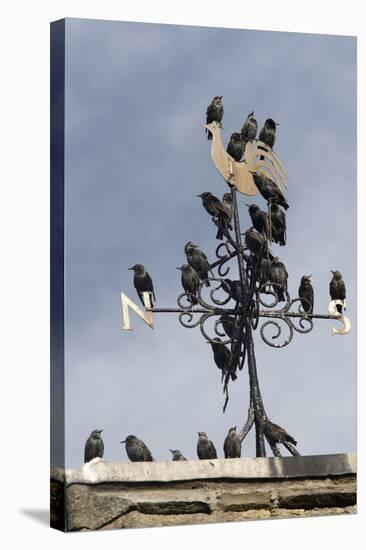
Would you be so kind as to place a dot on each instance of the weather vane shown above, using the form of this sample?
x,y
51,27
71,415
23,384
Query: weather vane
x,y
237,307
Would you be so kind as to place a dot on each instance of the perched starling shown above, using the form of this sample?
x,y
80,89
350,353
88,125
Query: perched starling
x,y
249,130
268,132
235,147
234,289
265,271
278,277
227,201
214,113
221,212
306,294
190,281
205,447
198,261
228,324
143,282
225,216
211,204
337,289
232,444
269,190
278,224
177,455
259,219
275,434
94,446
222,358
136,450
255,241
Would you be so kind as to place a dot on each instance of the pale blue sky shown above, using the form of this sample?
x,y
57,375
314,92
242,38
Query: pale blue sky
x,y
136,156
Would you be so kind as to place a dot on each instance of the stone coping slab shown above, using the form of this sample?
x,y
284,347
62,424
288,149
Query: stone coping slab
x,y
99,471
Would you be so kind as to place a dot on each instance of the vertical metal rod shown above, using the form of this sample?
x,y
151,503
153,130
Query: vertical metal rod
x,y
255,392
252,367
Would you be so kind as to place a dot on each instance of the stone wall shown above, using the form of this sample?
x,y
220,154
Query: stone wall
x,y
111,496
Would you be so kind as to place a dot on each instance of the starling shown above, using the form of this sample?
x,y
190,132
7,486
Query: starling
x,y
205,447
278,277
198,261
306,294
143,282
278,224
268,132
249,130
136,450
190,281
94,446
234,289
255,241
337,289
235,147
221,212
227,201
264,271
275,434
269,190
177,455
259,219
225,216
214,113
222,358
232,444
228,324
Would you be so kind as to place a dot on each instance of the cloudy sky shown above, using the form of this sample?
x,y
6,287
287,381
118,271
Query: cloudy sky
x,y
136,157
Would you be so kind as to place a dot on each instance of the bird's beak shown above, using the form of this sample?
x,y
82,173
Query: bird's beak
x,y
100,431
170,450
180,269
124,441
221,96
248,205
235,427
199,195
130,269
277,123
309,276
332,272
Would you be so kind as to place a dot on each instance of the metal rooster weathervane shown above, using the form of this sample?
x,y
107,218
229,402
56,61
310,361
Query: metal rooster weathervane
x,y
233,325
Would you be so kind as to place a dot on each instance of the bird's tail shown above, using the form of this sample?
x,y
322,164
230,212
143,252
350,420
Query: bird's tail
x,y
290,439
220,233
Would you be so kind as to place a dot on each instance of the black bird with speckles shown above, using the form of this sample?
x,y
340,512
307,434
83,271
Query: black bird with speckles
x,y
275,434
269,190
268,132
177,455
278,276
249,129
235,147
337,289
198,261
306,294
94,446
205,448
136,450
278,224
214,113
259,219
232,444
190,281
142,282
222,358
